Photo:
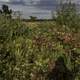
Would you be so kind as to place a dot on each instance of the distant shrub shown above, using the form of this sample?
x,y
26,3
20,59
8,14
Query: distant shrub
x,y
33,18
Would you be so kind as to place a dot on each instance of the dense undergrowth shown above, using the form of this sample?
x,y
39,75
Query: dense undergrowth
x,y
48,51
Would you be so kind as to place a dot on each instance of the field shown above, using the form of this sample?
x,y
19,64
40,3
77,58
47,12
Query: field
x,y
40,49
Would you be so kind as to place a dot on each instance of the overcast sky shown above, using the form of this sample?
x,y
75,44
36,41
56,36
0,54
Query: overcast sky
x,y
33,0
39,8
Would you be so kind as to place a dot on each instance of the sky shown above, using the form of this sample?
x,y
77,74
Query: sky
x,y
38,8
4,0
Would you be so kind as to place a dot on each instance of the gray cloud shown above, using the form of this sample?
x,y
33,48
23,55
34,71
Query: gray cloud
x,y
46,4
39,8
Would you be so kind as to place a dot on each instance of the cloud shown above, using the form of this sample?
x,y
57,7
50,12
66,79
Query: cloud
x,y
47,4
4,0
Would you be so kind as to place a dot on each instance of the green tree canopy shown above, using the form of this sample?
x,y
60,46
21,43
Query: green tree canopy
x,y
6,11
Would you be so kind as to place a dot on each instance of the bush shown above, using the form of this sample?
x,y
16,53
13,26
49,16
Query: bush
x,y
33,18
68,16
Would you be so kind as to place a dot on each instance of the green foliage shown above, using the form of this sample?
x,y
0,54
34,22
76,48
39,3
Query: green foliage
x,y
68,15
6,11
33,18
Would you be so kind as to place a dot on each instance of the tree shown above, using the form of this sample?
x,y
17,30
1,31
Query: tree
x,y
6,11
33,18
